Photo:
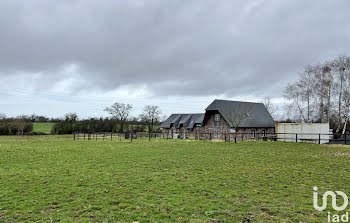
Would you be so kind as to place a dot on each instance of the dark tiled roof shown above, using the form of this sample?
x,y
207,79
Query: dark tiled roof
x,y
259,117
184,120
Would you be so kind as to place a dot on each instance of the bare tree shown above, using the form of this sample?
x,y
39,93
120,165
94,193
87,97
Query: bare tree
x,y
328,84
271,108
151,114
301,93
21,126
342,87
322,92
345,101
305,84
346,117
237,115
292,93
120,112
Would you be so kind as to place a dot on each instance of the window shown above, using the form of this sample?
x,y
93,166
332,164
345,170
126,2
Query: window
x,y
252,134
263,133
216,134
217,117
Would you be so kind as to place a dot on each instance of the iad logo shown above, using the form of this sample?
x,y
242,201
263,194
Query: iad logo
x,y
334,200
335,217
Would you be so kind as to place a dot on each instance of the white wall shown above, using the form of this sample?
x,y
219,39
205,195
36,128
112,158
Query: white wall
x,y
307,132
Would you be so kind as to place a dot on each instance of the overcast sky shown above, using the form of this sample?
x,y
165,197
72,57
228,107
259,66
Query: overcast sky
x,y
80,55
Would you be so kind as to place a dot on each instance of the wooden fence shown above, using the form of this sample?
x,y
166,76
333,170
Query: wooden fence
x,y
290,137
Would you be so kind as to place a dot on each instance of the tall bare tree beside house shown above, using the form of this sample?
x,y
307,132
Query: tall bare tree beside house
x,y
342,87
120,112
345,112
321,92
151,114
293,93
236,116
325,88
305,84
346,117
302,94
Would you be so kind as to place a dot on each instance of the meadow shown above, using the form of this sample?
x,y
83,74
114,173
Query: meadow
x,y
56,179
42,127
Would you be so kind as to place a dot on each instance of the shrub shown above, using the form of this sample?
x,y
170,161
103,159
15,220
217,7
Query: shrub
x,y
15,127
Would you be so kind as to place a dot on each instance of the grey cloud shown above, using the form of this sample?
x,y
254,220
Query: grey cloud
x,y
172,47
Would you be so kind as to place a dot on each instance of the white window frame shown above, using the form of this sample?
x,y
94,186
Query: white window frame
x,y
263,133
217,117
252,134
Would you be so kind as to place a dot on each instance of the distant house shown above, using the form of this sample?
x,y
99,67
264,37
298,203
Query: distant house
x,y
217,121
182,124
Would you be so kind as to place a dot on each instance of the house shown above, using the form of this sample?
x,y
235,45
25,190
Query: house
x,y
222,119
249,118
182,124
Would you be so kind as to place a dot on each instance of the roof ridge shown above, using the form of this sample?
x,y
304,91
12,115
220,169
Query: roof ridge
x,y
188,113
239,101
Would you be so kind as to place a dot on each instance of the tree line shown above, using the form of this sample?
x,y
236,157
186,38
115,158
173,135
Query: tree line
x,y
321,93
120,121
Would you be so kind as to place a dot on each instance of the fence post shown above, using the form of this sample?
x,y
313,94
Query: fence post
x,y
74,136
319,138
149,136
130,136
111,136
345,138
84,135
96,136
242,136
209,136
296,137
258,136
225,136
235,139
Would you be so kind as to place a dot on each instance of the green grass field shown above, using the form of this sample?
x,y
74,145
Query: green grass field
x,y
42,127
53,178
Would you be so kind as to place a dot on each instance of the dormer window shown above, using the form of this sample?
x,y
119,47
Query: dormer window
x,y
217,117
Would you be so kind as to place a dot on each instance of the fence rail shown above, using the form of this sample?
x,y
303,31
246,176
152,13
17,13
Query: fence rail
x,y
289,137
